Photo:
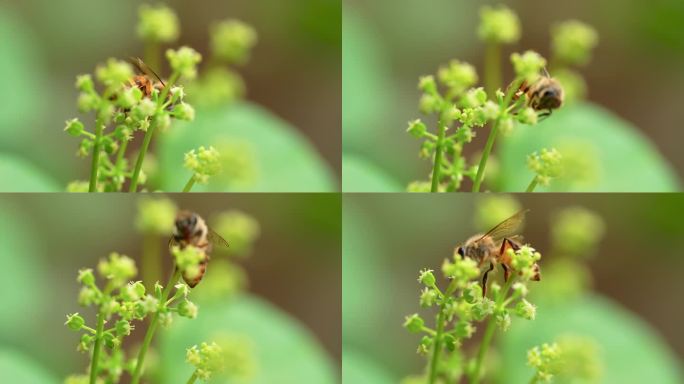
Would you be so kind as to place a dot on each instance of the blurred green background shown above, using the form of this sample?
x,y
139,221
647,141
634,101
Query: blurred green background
x,y
293,75
634,78
633,311
291,309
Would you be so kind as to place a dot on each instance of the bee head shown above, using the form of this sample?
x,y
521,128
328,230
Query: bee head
x,y
185,224
460,251
551,97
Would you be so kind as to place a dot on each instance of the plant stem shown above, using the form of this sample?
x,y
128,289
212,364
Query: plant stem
x,y
98,346
533,185
141,156
189,184
192,378
437,346
489,333
152,55
485,155
437,167
492,68
152,328
151,260
99,128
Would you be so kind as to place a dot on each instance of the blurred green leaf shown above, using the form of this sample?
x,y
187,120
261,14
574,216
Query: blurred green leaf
x,y
17,175
15,368
20,253
632,352
24,80
285,161
623,159
358,368
366,85
285,351
359,175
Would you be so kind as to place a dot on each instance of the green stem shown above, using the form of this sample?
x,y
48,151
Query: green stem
x,y
437,167
492,68
485,155
99,128
489,334
437,346
151,260
152,328
192,378
189,184
153,55
141,156
98,346
533,185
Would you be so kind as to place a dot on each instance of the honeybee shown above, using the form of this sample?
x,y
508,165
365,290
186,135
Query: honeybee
x,y
546,94
190,229
492,248
144,80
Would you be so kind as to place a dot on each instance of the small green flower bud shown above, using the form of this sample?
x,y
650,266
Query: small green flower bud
x,y
520,289
424,346
133,291
84,345
111,341
165,319
129,97
506,126
490,110
86,277
523,261
416,128
206,162
157,24
525,309
414,323
177,94
110,306
452,114
184,111
207,360
75,321
144,109
465,134
429,104
163,122
187,309
472,293
182,290
158,290
464,329
184,61
119,268
499,25
528,65
428,297
503,320
474,97
462,270
427,277
450,342
546,164
457,76
123,328
528,116
115,73
483,308
74,127
573,42
84,83
232,41
427,84
87,296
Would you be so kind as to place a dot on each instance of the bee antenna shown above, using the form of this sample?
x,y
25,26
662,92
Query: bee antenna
x,y
546,73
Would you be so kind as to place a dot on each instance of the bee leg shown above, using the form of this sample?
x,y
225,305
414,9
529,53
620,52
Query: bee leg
x,y
544,115
507,273
484,279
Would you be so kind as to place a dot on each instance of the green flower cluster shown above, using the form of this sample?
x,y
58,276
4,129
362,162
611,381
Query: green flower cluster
x,y
121,112
232,41
571,358
499,25
120,303
157,24
573,43
462,305
204,163
208,359
547,165
156,216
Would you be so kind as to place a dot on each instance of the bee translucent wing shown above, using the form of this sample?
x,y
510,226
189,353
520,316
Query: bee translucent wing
x,y
507,227
216,239
143,68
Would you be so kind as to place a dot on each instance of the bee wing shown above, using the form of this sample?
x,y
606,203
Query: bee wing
x,y
143,68
507,227
216,239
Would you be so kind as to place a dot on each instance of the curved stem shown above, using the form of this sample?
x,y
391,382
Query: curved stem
x,y
192,378
141,156
98,346
533,185
437,346
152,328
492,68
437,166
189,184
99,128
489,333
485,155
